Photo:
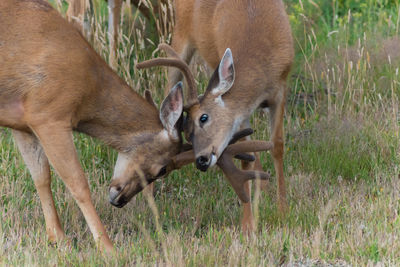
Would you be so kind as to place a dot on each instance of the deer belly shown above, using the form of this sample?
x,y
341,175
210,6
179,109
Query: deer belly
x,y
12,114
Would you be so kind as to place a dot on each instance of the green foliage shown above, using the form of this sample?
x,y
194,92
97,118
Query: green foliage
x,y
342,149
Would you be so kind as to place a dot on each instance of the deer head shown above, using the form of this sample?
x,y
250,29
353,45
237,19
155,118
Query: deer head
x,y
211,121
130,187
137,167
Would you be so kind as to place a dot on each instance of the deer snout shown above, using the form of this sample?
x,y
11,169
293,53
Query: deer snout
x,y
117,198
204,162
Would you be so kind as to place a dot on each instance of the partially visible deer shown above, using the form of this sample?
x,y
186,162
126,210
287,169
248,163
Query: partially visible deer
x,y
249,44
76,13
51,83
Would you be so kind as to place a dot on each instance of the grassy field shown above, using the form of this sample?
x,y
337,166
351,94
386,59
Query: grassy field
x,y
341,163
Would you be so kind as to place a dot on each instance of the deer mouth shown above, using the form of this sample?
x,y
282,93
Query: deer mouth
x,y
116,197
120,197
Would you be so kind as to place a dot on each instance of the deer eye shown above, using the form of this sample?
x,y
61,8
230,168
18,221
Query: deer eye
x,y
162,171
203,118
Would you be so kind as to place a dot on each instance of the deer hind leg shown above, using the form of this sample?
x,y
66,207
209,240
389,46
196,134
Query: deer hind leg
x,y
57,142
277,109
38,165
114,16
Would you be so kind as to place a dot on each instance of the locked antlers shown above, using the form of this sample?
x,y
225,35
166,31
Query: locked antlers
x,y
235,176
174,61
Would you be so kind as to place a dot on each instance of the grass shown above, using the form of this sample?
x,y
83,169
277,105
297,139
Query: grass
x,y
341,161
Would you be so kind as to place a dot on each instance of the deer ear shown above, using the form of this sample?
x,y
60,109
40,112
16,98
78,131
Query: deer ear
x,y
171,109
226,74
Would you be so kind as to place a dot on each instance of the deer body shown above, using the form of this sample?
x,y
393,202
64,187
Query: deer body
x,y
51,83
251,75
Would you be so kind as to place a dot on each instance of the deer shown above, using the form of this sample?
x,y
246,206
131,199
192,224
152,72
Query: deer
x,y
53,83
249,45
76,13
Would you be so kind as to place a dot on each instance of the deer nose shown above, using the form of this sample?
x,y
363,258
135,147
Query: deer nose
x,y
116,198
202,163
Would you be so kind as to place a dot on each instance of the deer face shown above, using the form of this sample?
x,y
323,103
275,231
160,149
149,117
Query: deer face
x,y
212,122
151,155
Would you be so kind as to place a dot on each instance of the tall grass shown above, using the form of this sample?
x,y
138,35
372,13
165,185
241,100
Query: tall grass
x,y
341,161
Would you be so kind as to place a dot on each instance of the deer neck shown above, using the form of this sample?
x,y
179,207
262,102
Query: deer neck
x,y
249,87
117,114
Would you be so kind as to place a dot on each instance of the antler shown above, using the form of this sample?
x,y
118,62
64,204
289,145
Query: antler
x,y
235,176
177,62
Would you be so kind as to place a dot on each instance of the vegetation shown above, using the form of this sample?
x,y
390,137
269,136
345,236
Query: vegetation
x,y
341,163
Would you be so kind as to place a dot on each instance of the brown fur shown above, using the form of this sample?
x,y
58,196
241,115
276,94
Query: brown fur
x,y
51,83
259,35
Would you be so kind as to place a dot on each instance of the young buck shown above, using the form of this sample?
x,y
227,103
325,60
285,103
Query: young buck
x,y
52,83
253,40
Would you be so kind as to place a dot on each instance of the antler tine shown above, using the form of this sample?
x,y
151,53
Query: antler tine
x,y
183,158
187,156
241,134
249,146
237,177
176,62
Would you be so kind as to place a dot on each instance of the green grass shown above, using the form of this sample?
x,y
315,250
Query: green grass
x,y
341,161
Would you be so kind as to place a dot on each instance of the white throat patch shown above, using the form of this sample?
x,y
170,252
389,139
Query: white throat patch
x,y
121,165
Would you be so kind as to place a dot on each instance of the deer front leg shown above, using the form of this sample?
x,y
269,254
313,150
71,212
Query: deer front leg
x,y
277,112
57,142
38,165
248,225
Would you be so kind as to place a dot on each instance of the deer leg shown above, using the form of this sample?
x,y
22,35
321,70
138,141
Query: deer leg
x,y
277,111
248,225
114,16
248,218
38,165
57,142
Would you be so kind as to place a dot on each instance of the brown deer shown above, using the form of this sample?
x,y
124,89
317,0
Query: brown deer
x,y
76,13
53,83
253,40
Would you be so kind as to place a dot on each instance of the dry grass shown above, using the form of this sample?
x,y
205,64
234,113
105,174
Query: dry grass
x,y
341,165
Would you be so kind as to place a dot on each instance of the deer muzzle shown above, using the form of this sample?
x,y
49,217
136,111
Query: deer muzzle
x,y
204,162
120,195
